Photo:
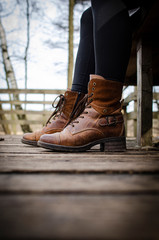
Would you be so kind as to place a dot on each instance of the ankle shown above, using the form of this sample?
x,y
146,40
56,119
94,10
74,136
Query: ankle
x,y
79,88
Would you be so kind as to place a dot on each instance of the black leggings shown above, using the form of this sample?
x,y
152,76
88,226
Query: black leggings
x,y
105,43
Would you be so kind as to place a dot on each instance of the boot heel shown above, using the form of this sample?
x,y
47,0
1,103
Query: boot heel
x,y
113,145
102,147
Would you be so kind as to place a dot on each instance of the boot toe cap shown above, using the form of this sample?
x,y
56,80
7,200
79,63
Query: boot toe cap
x,y
29,136
51,138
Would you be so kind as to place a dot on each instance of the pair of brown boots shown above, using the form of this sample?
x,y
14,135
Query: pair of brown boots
x,y
82,121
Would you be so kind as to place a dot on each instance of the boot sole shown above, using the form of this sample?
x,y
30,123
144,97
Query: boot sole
x,y
113,144
30,142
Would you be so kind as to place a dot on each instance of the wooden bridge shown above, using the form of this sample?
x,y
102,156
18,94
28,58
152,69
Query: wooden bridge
x,y
142,71
90,195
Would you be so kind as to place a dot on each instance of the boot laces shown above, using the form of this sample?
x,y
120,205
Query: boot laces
x,y
57,106
82,106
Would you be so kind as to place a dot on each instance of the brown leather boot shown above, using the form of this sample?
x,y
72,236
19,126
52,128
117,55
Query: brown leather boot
x,y
100,123
65,111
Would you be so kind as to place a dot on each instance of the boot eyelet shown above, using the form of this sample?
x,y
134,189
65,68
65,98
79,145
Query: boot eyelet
x,y
93,88
104,110
94,84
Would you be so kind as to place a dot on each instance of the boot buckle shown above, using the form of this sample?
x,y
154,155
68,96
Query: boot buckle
x,y
111,123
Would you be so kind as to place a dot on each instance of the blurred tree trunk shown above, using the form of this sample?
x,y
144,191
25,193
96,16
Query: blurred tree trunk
x,y
4,125
70,42
10,76
27,44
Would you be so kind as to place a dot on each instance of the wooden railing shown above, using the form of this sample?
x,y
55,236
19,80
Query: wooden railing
x,y
133,115
42,115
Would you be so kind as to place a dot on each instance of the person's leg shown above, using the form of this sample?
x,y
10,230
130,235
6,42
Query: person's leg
x,y
112,38
85,64
101,122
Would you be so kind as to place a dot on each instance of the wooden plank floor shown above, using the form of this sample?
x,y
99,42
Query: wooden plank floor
x,y
91,195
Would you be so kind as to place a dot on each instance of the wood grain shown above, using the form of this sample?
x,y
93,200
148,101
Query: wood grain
x,y
78,183
64,163
79,217
89,195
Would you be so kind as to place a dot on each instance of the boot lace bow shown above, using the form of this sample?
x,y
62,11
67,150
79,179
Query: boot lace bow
x,y
57,106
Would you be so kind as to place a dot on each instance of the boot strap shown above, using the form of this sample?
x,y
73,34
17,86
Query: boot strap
x,y
110,120
107,109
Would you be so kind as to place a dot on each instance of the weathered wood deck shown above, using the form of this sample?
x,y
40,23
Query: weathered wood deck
x,y
91,195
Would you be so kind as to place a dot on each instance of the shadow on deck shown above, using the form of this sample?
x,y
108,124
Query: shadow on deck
x,y
89,195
